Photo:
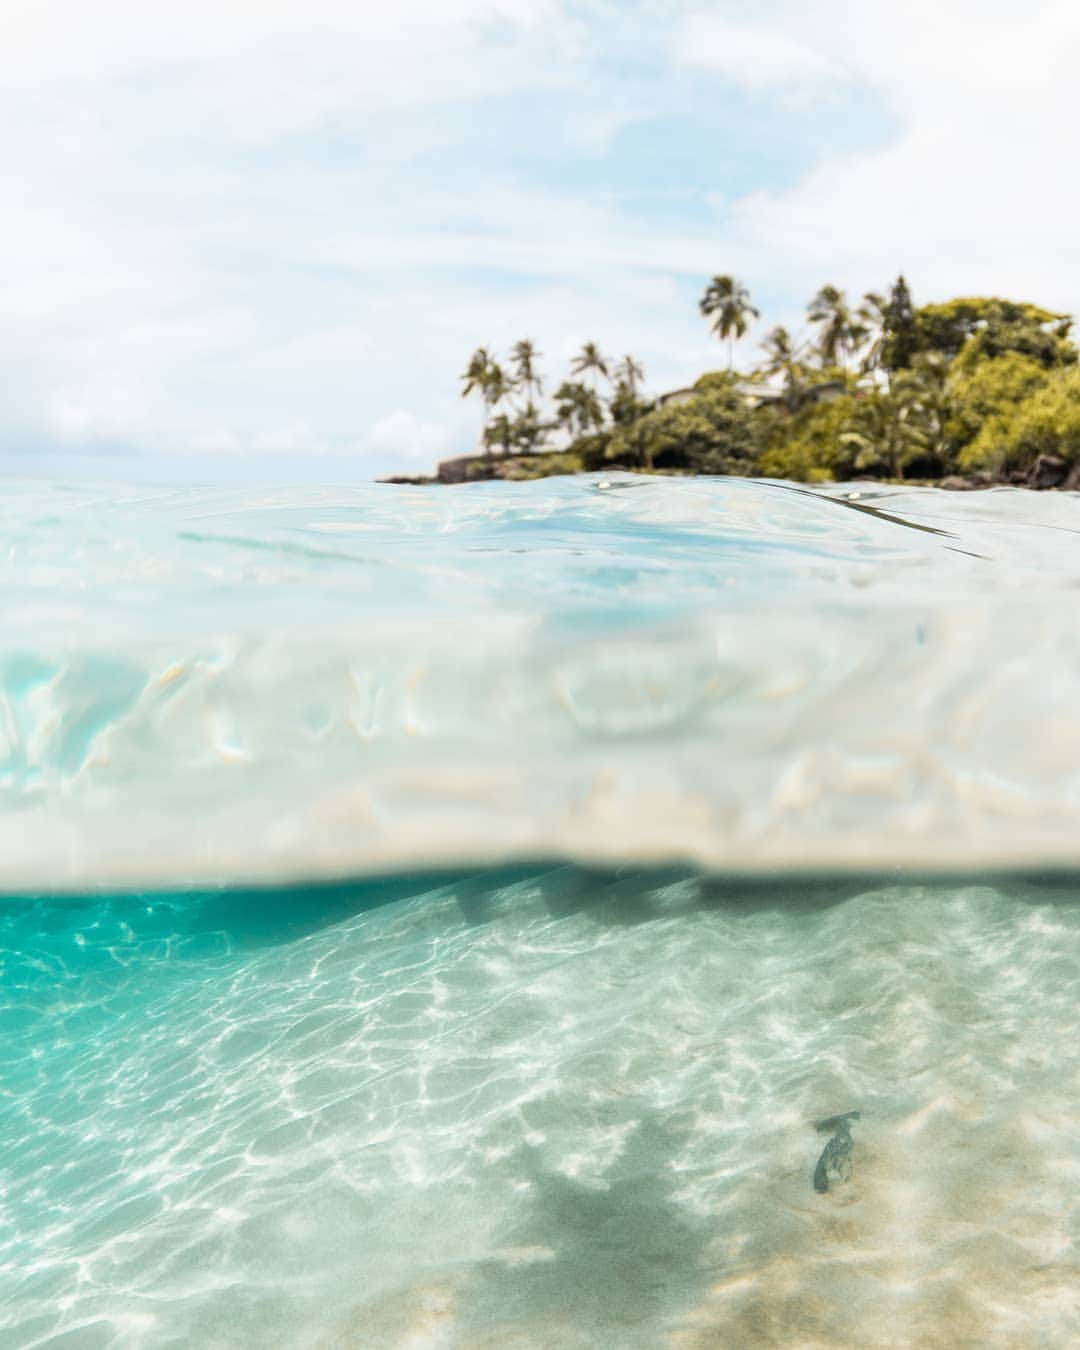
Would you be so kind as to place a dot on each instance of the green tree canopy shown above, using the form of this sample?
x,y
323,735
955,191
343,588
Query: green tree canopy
x,y
899,340
979,383
1047,422
985,391
577,407
528,429
808,446
712,432
499,434
977,328
888,432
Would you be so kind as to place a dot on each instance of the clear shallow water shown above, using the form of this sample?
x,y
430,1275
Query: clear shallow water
x,y
309,683
517,1103
406,1128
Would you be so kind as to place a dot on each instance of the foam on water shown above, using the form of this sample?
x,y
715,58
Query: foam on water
x,y
531,1104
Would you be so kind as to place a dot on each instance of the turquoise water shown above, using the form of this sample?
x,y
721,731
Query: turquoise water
x,y
679,815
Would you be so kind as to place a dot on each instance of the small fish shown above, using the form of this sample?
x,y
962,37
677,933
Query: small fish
x,y
835,1158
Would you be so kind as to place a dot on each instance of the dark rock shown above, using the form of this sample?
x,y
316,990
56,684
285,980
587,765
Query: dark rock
x,y
957,483
1072,483
1048,471
465,469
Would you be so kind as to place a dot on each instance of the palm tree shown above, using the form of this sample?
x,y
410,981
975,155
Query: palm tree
x,y
477,379
781,354
524,357
783,357
499,432
494,386
528,429
921,393
727,302
476,371
891,430
630,373
624,405
590,362
871,317
840,332
577,407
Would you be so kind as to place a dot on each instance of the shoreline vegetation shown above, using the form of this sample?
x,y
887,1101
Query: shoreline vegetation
x,y
974,392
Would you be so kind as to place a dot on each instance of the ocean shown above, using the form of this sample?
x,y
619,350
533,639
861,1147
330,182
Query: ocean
x,y
436,919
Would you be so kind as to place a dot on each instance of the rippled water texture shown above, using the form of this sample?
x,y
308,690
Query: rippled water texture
x,y
410,1129
441,1094
333,682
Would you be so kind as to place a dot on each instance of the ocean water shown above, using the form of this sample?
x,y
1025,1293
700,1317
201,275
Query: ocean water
x,y
441,919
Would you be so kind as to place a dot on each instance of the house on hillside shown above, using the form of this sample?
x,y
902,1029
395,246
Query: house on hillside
x,y
762,395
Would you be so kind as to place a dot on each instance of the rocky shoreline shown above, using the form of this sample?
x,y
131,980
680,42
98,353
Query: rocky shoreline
x,y
1048,473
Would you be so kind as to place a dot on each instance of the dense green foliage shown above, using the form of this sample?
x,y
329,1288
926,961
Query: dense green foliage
x,y
880,387
1045,423
713,431
980,329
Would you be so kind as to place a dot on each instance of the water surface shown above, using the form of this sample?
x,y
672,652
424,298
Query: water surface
x,y
439,918
330,682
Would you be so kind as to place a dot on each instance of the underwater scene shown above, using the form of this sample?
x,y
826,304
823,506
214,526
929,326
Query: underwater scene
x,y
605,912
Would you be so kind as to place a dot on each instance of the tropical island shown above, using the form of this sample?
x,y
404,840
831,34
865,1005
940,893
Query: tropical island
x,y
972,392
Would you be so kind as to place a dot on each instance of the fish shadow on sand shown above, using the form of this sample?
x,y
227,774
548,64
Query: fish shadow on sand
x,y
616,1254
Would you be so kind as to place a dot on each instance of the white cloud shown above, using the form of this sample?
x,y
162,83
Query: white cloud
x,y
973,192
755,55
272,62
262,229
340,344
408,438
161,227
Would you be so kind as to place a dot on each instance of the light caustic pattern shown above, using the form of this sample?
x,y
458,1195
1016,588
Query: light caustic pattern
x,y
538,1109
741,676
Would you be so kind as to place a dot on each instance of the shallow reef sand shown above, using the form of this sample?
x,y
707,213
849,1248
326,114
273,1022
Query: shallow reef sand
x,y
404,1128
683,815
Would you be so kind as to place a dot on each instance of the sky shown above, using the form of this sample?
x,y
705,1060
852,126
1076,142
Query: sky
x,y
258,240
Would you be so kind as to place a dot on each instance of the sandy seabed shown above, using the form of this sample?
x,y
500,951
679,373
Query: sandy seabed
x,y
407,1128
